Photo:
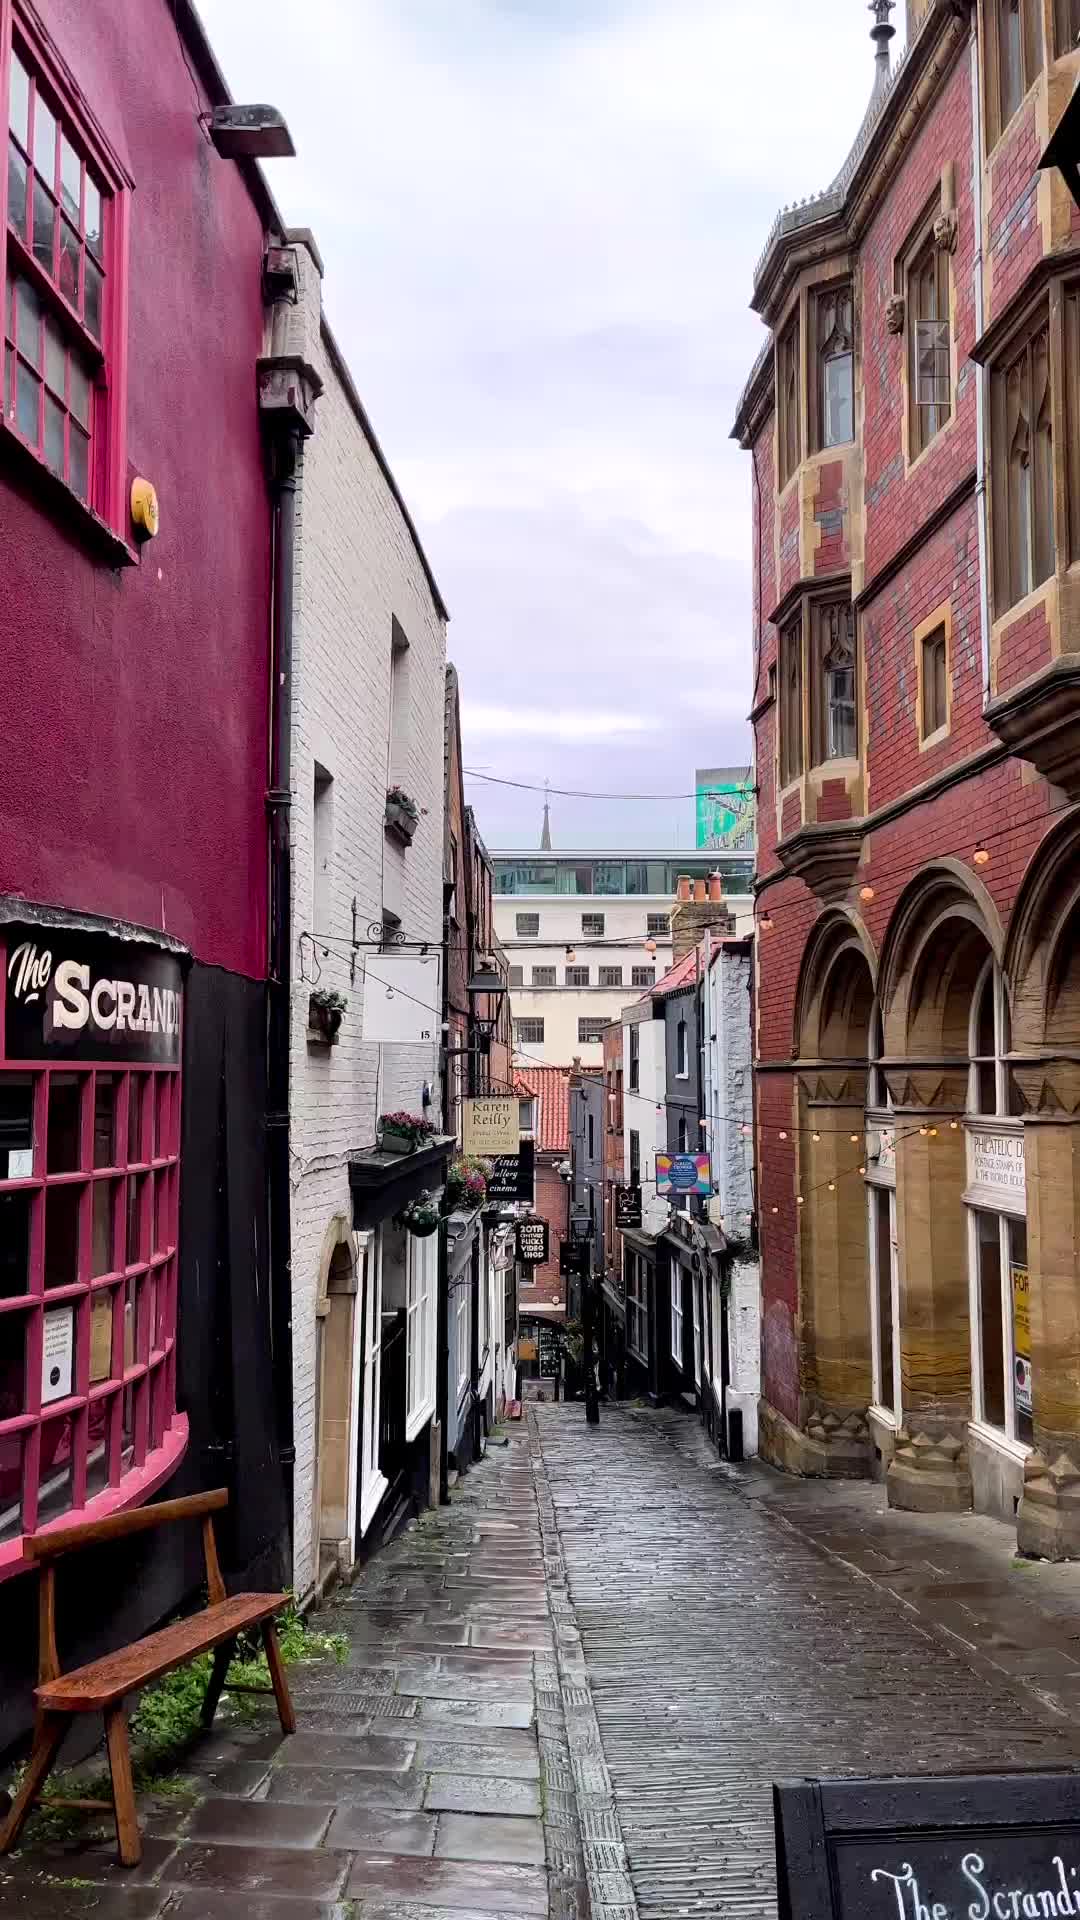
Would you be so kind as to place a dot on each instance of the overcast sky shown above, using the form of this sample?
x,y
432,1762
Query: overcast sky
x,y
540,220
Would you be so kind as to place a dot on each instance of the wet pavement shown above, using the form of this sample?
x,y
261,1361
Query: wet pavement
x,y
570,1693
733,1636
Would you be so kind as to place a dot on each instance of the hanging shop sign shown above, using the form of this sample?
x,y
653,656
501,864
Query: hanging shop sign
x,y
81,996
402,999
627,1208
959,1848
996,1166
489,1127
531,1242
683,1173
512,1175
571,1256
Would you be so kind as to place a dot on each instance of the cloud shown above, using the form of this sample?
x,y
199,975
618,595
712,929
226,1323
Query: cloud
x,y
540,220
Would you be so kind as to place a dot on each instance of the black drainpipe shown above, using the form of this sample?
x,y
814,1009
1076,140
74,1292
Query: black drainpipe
x,y
284,451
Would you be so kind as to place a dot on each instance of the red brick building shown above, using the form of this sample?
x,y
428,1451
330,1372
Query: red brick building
x,y
916,528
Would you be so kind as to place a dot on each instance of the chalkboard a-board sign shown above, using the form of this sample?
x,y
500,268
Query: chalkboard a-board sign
x,y
966,1847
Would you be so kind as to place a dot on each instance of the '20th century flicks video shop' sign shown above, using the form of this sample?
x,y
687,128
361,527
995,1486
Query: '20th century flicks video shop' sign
x,y
977,1847
71,995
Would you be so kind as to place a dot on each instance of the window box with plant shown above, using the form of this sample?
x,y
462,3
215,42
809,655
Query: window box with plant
x,y
402,815
404,1132
326,1009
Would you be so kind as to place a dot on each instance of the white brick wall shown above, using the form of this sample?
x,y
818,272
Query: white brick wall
x,y
357,569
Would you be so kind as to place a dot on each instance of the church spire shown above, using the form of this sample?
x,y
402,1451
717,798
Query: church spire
x,y
545,836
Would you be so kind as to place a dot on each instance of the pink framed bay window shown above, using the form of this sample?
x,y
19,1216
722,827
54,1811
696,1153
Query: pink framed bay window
x,y
63,246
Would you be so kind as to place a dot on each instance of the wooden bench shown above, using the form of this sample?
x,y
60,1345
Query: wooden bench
x,y
103,1685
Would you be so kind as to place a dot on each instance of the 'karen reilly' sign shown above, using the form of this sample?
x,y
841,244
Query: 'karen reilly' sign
x,y
79,996
966,1847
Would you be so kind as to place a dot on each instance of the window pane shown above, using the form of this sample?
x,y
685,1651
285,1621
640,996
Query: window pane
x,y
92,313
16,1126
79,463
44,228
19,100
11,1450
55,358
1021,1313
44,141
70,255
137,1219
54,435
993,1373
162,1091
65,1120
839,406
883,1237
70,178
80,392
17,190
14,1244
27,392
93,215
129,1325
28,321
13,1367
55,1490
97,1459
136,1086
62,1236
106,1090
101,1332
104,1214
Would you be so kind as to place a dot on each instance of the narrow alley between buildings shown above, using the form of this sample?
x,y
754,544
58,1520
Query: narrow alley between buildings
x,y
569,1693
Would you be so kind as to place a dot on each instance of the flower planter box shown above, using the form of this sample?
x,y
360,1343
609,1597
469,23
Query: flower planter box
x,y
324,1024
401,821
390,1141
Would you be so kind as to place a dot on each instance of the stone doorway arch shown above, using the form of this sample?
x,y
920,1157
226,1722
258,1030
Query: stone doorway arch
x,y
336,1396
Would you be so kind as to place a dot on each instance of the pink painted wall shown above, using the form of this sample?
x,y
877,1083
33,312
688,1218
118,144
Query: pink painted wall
x,y
133,707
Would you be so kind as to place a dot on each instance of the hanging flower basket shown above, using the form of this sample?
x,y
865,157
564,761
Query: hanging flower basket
x,y
403,1132
466,1185
326,1009
421,1217
402,815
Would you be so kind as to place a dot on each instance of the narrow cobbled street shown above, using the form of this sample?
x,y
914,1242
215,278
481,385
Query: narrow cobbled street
x,y
570,1693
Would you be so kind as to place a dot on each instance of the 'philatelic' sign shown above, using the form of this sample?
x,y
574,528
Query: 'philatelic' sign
x,y
78,996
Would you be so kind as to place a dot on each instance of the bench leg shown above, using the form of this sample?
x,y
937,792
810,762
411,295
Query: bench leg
x,y
128,1837
278,1678
223,1657
49,1730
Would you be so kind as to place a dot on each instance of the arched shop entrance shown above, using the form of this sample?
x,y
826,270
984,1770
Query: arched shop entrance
x,y
834,1016
959,1197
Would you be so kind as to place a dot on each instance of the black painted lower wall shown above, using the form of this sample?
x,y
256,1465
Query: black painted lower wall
x,y
108,1596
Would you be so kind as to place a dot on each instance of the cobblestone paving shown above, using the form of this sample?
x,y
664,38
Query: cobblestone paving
x,y
431,1776
726,1650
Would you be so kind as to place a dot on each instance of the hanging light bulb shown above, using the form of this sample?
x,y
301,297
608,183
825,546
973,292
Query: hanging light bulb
x,y
799,1201
981,855
782,1135
954,1126
854,1138
866,893
932,1131
776,1209
747,1129
832,1186
862,1169
571,955
765,922
650,946
815,1135
924,1130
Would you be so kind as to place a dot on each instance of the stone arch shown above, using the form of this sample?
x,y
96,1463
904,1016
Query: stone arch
x,y
1042,953
942,930
336,1392
837,984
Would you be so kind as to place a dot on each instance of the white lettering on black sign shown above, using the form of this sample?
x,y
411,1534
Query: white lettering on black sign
x,y
972,1878
73,997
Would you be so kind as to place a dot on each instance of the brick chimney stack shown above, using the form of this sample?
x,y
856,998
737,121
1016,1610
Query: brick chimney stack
x,y
699,908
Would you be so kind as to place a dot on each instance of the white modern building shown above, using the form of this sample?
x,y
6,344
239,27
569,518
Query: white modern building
x,y
366,714
586,933
727,1101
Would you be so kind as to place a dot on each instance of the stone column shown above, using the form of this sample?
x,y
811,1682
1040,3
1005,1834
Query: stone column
x,y
929,1471
834,1301
1048,1521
